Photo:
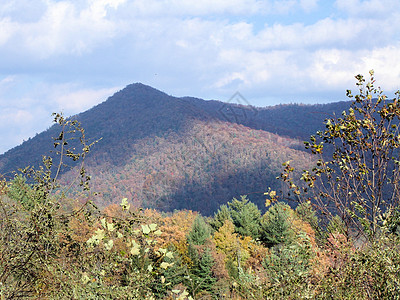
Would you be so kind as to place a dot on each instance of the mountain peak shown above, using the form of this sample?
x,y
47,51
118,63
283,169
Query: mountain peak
x,y
141,89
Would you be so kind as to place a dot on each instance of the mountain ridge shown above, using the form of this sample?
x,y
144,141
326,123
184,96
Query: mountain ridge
x,y
199,153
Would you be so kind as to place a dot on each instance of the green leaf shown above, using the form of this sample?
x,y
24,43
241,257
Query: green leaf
x,y
85,278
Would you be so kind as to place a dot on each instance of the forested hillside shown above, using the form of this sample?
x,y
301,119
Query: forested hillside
x,y
199,170
169,153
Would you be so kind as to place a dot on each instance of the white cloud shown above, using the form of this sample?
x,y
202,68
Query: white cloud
x,y
70,54
7,29
192,8
337,68
385,61
63,28
18,124
368,8
308,5
72,101
26,113
7,80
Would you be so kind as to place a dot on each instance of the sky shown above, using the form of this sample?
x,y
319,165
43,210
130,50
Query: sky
x,y
69,55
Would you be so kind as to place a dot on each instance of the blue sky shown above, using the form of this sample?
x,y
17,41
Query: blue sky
x,y
68,55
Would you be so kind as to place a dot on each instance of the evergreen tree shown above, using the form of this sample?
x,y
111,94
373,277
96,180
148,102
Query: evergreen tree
x,y
288,269
200,231
245,216
220,216
307,214
275,225
201,273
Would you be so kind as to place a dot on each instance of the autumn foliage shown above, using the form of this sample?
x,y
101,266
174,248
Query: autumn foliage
x,y
57,244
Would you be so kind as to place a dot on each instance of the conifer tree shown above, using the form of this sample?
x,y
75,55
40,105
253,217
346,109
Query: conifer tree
x,y
245,216
201,277
275,225
200,231
220,217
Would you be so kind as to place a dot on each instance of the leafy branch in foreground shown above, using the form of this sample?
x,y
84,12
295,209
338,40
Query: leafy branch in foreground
x,y
33,228
358,171
47,252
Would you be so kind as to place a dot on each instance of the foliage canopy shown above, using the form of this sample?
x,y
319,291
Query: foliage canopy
x,y
358,171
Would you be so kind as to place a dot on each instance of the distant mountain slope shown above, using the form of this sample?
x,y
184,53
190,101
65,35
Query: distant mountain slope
x,y
169,152
292,120
139,111
133,113
201,169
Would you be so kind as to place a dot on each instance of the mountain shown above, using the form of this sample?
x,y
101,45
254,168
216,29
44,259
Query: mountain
x,y
171,153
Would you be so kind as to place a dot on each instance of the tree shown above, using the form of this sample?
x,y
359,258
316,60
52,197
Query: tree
x,y
288,268
235,249
358,171
201,276
20,191
275,225
245,216
200,231
220,216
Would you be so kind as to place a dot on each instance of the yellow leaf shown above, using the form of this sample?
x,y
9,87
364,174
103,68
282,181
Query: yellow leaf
x,y
110,226
135,248
150,268
165,265
109,245
145,229
153,227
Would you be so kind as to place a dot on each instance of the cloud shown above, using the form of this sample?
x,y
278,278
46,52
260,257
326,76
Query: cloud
x,y
192,8
6,81
18,124
308,5
25,112
72,101
387,67
62,28
6,30
70,55
368,8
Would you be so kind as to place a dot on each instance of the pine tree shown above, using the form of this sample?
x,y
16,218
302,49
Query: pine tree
x,y
275,225
201,273
245,216
200,231
220,216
